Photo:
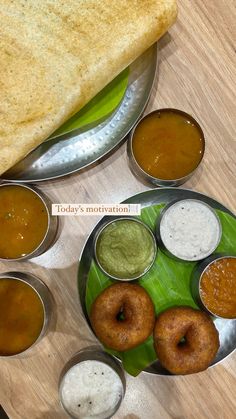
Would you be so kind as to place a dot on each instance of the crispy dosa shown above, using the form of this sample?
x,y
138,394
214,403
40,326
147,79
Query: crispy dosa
x,y
56,55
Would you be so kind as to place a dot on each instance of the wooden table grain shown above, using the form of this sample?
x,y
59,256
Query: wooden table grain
x,y
197,75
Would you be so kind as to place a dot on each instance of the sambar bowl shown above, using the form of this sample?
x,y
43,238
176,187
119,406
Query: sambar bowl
x,y
13,215
143,174
25,316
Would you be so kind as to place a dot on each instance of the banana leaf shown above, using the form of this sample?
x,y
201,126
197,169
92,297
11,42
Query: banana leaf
x,y
100,107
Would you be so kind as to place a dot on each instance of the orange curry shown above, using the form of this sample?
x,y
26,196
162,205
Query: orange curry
x,y
218,288
21,318
168,145
23,221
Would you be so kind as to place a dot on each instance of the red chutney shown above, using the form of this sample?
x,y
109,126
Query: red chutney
x,y
168,145
218,288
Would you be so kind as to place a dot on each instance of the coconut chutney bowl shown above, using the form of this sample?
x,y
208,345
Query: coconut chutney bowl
x,y
188,230
213,285
125,248
92,384
166,147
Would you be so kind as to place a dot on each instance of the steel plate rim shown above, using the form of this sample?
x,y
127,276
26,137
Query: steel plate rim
x,y
102,156
92,232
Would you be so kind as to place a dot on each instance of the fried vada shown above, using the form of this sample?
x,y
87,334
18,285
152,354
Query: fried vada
x,y
185,340
123,316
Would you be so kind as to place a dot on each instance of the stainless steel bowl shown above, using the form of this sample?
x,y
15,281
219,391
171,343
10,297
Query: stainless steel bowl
x,y
52,227
45,297
158,233
93,353
117,220
197,276
137,169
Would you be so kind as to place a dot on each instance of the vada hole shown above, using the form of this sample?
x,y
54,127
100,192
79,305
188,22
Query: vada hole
x,y
182,342
121,315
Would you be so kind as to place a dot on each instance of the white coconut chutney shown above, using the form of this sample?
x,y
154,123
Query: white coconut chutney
x,y
190,230
91,389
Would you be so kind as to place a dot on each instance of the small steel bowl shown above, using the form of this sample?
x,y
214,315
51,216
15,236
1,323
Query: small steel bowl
x,y
197,274
52,227
137,169
93,353
117,220
45,297
159,238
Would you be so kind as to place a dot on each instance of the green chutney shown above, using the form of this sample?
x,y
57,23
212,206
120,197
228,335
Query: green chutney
x,y
125,249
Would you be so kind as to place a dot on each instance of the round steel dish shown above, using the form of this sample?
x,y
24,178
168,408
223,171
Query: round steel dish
x,y
226,328
197,276
52,227
137,169
117,220
163,246
46,299
92,353
77,150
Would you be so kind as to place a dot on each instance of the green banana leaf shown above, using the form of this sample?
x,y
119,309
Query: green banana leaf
x,y
100,107
167,282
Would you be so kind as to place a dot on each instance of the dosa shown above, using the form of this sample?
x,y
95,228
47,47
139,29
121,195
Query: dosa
x,y
56,55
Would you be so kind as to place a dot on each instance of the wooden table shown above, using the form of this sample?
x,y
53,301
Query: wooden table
x,y
197,74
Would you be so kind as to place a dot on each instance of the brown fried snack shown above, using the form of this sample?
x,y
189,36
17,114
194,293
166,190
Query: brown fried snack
x,y
185,340
123,316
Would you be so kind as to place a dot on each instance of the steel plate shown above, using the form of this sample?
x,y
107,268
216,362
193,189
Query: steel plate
x,y
226,328
75,151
